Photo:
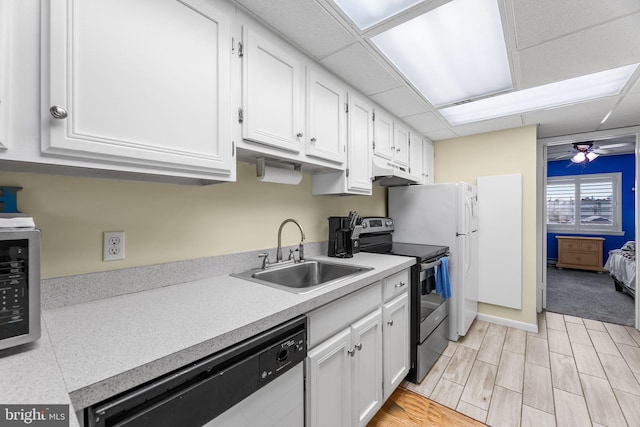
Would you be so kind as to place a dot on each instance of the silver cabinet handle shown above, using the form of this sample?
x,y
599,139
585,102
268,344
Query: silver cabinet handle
x,y
351,352
358,346
390,323
313,140
57,112
299,134
399,285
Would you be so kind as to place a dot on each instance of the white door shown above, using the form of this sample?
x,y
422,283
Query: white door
x,y
395,316
326,117
123,88
367,370
401,144
416,157
383,135
329,376
360,144
271,92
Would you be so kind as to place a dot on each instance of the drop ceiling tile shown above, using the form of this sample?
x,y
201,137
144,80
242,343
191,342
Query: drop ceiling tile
x,y
577,118
360,69
597,49
500,123
439,135
627,113
401,101
542,20
304,23
425,122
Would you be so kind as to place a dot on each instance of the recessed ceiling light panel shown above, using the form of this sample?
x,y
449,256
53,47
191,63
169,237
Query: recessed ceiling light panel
x,y
553,95
366,13
453,53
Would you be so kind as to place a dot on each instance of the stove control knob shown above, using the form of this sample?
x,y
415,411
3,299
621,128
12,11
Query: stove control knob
x,y
388,223
365,225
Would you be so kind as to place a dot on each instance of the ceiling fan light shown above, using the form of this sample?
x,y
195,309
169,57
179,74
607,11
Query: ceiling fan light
x,y
579,158
592,156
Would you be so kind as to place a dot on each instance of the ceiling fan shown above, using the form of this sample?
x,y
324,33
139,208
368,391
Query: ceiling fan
x,y
587,151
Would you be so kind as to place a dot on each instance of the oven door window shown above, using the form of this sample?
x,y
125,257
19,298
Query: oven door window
x,y
429,299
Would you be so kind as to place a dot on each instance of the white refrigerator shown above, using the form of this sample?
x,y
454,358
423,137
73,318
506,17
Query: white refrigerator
x,y
444,214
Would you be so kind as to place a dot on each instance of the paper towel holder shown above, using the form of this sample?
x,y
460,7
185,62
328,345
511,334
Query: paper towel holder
x,y
285,173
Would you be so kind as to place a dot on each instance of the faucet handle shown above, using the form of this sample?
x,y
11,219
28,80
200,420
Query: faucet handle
x,y
292,255
265,259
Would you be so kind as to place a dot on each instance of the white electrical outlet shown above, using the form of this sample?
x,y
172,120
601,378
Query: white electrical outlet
x,y
113,246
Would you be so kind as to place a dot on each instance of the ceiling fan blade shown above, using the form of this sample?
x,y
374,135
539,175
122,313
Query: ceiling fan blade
x,y
601,151
618,145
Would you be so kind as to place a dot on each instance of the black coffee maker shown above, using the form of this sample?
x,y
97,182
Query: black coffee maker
x,y
343,236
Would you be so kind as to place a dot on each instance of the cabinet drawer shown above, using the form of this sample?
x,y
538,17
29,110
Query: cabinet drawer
x,y
331,318
590,246
569,245
579,258
395,284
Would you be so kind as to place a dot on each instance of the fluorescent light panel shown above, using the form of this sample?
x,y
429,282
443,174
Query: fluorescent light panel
x,y
452,53
579,89
366,13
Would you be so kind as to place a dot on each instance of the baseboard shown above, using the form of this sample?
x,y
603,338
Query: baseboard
x,y
529,327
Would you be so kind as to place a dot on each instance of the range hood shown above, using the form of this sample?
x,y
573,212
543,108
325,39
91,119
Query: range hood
x,y
388,174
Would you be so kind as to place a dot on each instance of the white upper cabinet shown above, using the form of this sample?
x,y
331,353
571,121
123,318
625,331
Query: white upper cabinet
x,y
326,117
141,83
427,162
383,132
416,157
400,144
272,109
360,143
356,179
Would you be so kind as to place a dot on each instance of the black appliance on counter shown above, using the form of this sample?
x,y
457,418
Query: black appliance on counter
x,y
19,286
343,236
429,311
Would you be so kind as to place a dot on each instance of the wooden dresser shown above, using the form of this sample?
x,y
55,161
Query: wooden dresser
x,y
583,253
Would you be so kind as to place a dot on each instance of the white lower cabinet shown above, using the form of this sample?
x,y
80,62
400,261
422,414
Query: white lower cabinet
x,y
344,375
395,315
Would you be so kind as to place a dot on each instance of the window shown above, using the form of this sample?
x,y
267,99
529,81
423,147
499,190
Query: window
x,y
587,204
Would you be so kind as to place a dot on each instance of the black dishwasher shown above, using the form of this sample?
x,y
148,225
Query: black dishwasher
x,y
197,394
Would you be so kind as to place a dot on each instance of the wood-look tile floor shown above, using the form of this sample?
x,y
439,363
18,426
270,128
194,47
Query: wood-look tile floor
x,y
573,372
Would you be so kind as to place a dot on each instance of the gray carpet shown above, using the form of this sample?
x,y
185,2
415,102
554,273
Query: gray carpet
x,y
588,294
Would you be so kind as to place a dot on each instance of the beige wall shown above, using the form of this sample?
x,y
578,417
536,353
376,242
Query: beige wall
x,y
510,151
165,222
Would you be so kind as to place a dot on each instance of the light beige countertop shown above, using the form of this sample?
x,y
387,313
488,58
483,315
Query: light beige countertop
x,y
97,349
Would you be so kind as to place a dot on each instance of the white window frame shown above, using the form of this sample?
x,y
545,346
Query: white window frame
x,y
614,229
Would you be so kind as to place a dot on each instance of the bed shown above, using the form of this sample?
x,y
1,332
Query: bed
x,y
621,265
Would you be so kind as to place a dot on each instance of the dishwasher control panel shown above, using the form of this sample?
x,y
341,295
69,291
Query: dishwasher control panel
x,y
282,355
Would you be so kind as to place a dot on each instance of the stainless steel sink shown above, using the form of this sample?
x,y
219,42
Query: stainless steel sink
x,y
302,277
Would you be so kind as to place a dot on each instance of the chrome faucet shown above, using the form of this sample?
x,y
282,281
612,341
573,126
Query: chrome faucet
x,y
300,247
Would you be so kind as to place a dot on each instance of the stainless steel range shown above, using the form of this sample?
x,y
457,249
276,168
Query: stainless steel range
x,y
429,310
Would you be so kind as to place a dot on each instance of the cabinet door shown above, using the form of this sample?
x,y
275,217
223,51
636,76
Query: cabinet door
x,y
401,144
416,156
395,315
383,134
144,83
367,371
329,376
271,92
326,117
427,151
359,144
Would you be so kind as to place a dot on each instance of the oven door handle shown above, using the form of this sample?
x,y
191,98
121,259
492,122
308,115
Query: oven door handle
x,y
428,265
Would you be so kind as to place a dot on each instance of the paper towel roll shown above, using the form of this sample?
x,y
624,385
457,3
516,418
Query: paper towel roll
x,y
280,175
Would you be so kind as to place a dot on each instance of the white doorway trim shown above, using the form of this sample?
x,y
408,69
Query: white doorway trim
x,y
541,208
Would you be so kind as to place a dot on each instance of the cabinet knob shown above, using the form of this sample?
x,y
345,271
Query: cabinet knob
x,y
57,112
299,134
399,285
390,323
351,352
358,346
397,150
313,140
